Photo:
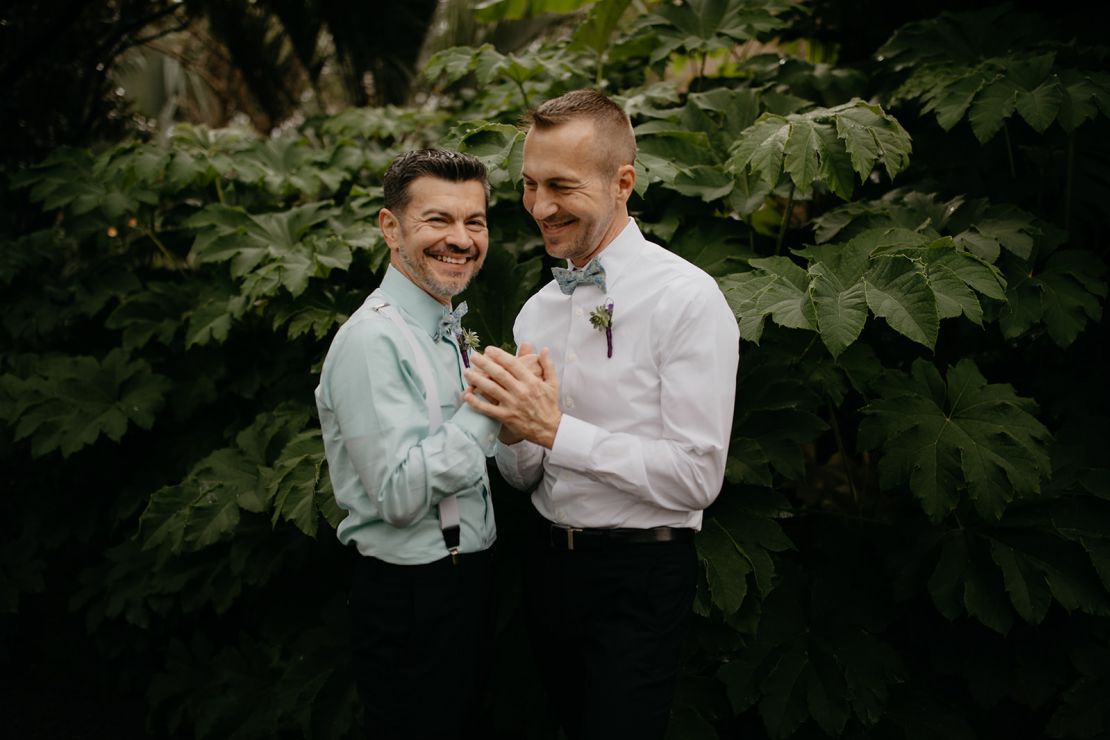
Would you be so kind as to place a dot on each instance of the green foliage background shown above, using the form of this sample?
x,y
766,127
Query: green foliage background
x,y
913,540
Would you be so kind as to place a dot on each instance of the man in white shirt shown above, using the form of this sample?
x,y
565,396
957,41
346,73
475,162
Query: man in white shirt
x,y
624,436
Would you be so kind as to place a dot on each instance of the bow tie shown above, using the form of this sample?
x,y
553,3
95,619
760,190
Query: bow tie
x,y
593,273
449,325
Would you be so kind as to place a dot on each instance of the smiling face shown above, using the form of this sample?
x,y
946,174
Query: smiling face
x,y
438,240
573,191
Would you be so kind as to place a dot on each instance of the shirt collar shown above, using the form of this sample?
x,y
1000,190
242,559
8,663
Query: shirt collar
x,y
623,250
424,310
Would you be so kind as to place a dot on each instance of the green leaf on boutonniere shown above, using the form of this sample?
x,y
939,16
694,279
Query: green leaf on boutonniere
x,y
602,320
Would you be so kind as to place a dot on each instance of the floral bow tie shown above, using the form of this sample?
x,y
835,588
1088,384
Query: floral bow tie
x,y
449,325
593,274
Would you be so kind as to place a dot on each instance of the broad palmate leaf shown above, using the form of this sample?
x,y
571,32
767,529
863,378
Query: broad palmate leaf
x,y
269,250
987,65
700,26
736,545
1039,553
957,436
1064,292
823,146
812,658
68,402
976,225
265,470
901,276
775,416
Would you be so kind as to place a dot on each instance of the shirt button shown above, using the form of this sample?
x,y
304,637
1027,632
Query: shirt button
x,y
570,403
561,514
571,357
578,312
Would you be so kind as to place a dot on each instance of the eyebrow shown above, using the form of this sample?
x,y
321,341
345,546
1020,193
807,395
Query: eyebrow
x,y
429,212
553,180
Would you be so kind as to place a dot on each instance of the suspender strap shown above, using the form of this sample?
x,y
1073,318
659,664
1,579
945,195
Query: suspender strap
x,y
449,506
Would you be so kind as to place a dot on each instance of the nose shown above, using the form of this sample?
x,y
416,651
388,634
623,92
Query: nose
x,y
459,237
542,205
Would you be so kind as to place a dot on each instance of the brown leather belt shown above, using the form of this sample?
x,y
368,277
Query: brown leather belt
x,y
570,538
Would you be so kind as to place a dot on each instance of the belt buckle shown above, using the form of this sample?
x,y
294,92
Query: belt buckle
x,y
569,532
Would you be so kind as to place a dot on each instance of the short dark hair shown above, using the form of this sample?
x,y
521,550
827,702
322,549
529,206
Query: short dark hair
x,y
442,163
617,141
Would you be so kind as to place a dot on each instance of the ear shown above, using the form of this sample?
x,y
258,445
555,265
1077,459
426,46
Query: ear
x,y
389,224
625,182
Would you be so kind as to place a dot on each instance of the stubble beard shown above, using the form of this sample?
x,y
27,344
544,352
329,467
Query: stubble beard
x,y
420,270
585,242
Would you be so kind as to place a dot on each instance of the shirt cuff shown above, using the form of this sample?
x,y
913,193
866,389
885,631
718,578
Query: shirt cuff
x,y
574,440
480,427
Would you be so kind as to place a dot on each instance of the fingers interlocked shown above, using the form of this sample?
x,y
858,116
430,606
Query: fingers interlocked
x,y
520,392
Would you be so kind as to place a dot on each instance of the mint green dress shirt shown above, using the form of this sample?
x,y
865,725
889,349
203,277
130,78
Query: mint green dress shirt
x,y
388,473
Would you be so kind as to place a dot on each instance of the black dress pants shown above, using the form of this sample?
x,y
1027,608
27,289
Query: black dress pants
x,y
422,639
608,627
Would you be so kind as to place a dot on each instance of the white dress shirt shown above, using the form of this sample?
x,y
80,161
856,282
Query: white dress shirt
x,y
644,434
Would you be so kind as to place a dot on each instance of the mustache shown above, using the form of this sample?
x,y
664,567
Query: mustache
x,y
558,218
452,251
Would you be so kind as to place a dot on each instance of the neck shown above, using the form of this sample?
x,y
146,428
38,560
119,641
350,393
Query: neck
x,y
614,230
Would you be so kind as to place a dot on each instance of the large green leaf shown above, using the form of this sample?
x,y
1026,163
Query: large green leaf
x,y
822,146
498,293
956,437
228,234
262,471
297,477
1064,294
500,148
897,290
836,292
1003,63
701,26
726,570
775,417
597,29
68,403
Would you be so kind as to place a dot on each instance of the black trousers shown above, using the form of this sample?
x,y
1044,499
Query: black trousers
x,y
608,627
422,639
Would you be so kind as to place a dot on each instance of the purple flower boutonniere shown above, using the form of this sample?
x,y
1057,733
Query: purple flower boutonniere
x,y
602,320
468,341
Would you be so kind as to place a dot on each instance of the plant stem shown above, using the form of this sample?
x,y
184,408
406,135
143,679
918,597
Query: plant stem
x,y
219,190
785,220
600,69
523,94
158,243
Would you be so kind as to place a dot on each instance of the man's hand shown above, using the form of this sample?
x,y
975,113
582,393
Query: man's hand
x,y
525,403
531,360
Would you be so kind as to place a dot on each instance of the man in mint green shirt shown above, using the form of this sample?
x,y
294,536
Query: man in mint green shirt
x,y
408,461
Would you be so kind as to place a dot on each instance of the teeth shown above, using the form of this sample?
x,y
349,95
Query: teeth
x,y
450,260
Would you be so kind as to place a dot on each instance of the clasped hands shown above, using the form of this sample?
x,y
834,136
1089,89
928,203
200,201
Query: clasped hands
x,y
522,392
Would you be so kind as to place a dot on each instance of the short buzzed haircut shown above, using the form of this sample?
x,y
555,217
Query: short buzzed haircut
x,y
442,163
616,140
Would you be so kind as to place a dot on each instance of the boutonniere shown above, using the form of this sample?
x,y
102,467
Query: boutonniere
x,y
602,320
468,341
